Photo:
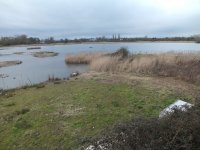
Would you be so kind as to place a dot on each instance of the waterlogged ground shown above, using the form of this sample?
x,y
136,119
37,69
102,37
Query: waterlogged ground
x,y
67,115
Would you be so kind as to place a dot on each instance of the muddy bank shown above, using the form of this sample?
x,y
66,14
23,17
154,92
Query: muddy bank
x,y
44,54
9,63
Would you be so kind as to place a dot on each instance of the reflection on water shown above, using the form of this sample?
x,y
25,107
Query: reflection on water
x,y
36,70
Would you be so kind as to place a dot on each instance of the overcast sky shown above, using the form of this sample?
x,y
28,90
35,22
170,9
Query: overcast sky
x,y
90,18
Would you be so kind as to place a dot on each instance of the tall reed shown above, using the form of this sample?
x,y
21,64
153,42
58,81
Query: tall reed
x,y
184,66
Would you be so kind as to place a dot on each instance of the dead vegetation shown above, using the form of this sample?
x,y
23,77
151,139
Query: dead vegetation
x,y
179,130
184,66
82,58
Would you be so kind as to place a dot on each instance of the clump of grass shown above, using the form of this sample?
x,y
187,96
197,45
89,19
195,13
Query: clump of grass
x,y
115,104
22,111
179,130
9,94
11,116
53,79
82,58
10,104
22,124
39,86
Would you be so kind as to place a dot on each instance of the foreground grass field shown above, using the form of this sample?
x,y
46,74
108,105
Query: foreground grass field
x,y
69,114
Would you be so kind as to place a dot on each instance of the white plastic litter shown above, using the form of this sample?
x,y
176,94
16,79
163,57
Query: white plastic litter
x,y
91,147
179,104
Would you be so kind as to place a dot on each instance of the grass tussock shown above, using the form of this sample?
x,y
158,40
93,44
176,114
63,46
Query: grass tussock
x,y
184,66
82,58
180,130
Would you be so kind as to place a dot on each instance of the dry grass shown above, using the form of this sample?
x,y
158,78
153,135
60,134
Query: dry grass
x,y
184,66
83,58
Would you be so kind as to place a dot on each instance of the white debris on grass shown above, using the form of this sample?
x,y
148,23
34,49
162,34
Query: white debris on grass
x,y
74,74
179,104
91,147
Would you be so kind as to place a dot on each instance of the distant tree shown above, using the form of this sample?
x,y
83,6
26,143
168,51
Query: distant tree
x,y
21,39
197,38
32,40
49,40
66,40
17,40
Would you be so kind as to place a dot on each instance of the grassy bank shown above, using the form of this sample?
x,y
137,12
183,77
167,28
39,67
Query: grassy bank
x,y
69,114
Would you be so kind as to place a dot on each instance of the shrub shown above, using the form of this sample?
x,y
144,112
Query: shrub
x,y
122,52
181,130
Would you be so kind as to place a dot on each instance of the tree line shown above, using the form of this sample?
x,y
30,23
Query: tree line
x,y
24,39
18,40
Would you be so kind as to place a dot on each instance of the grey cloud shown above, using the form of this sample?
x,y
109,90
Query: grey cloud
x,y
77,18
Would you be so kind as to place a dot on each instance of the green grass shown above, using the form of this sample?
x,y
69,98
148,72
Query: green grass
x,y
66,115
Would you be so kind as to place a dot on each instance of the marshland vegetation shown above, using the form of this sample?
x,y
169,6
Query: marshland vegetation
x,y
184,66
43,54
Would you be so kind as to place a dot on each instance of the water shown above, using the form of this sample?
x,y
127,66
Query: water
x,y
35,70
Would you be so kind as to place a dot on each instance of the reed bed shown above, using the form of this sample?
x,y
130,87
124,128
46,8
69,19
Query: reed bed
x,y
184,66
82,58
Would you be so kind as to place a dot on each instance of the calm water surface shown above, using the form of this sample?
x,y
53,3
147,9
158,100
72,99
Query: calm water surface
x,y
35,70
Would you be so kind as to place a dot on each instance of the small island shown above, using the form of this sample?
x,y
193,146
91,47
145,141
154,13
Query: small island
x,y
4,76
18,53
44,54
31,48
9,63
